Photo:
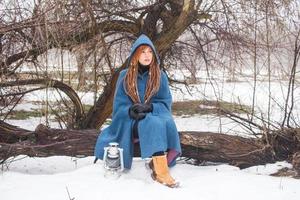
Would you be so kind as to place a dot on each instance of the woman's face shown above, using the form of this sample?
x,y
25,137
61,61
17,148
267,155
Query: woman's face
x,y
146,56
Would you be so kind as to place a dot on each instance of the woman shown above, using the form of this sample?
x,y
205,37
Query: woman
x,y
142,112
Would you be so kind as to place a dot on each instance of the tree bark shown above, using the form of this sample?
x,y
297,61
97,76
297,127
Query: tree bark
x,y
103,107
201,146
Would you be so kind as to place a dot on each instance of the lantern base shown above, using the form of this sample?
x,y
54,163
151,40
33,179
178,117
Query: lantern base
x,y
112,174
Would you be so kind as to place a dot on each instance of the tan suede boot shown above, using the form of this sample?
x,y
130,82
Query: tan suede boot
x,y
160,171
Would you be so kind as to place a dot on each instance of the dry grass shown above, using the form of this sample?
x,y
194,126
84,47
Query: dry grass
x,y
205,107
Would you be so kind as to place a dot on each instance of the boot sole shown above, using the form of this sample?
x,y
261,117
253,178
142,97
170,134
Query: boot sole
x,y
176,185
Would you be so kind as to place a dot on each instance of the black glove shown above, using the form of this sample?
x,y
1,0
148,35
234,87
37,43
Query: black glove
x,y
138,111
141,108
136,115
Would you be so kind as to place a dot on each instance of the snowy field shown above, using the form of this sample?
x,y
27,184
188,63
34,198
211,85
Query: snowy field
x,y
240,92
62,178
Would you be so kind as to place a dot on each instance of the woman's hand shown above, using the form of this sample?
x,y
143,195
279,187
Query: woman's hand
x,y
138,111
140,107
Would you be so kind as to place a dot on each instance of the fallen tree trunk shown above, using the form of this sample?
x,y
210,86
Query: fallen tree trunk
x,y
201,146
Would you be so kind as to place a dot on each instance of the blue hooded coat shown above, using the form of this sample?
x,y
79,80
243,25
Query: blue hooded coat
x,y
157,131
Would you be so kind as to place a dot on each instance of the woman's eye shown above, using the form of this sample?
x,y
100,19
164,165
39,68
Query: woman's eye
x,y
145,51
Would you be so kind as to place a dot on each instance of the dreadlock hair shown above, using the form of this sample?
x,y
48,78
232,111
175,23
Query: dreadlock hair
x,y
153,82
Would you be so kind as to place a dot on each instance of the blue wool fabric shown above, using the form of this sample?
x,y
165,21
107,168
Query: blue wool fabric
x,y
157,131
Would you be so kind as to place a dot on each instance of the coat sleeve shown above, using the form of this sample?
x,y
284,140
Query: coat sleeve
x,y
162,101
122,102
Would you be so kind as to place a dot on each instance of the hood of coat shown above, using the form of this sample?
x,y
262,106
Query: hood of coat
x,y
143,40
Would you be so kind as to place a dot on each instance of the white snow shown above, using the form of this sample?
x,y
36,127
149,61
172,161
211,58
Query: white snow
x,y
53,177
33,122
209,123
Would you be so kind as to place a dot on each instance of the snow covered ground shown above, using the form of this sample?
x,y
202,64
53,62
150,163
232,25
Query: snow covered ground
x,y
54,177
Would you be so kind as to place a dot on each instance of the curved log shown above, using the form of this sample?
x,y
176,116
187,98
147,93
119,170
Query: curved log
x,y
201,146
50,83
